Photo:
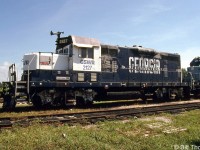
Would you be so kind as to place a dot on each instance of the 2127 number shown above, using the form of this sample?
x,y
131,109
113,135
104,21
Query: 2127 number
x,y
87,67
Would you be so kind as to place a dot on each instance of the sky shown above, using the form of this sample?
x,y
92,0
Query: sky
x,y
171,26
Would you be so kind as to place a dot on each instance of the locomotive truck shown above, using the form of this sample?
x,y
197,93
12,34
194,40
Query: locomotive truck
x,y
83,70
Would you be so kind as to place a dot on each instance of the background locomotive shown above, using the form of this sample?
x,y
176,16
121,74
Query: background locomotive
x,y
83,70
194,76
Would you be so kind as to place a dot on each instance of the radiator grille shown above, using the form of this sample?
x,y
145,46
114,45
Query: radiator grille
x,y
93,77
80,77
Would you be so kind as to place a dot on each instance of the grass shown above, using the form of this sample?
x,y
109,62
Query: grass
x,y
29,110
162,131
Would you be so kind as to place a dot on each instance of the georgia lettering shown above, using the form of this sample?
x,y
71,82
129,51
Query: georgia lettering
x,y
144,65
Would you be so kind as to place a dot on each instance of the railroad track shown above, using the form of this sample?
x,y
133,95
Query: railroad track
x,y
92,117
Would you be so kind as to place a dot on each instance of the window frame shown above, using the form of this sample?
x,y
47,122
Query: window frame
x,y
86,52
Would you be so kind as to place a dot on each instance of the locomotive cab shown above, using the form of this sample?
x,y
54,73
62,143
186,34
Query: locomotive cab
x,y
194,69
81,54
86,55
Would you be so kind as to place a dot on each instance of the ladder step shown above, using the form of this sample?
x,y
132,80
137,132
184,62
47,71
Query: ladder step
x,y
20,94
18,82
21,87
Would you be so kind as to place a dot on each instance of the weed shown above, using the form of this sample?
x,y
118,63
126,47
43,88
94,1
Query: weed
x,y
150,132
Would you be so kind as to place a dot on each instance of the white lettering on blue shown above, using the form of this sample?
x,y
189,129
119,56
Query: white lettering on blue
x,y
144,65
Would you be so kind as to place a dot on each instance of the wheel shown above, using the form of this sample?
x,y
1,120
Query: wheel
x,y
64,102
156,97
80,101
89,103
37,102
143,97
166,94
179,94
9,103
186,93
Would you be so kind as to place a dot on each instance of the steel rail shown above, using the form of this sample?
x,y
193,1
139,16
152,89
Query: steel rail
x,y
92,117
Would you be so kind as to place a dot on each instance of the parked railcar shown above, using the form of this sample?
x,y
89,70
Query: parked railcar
x,y
85,70
194,76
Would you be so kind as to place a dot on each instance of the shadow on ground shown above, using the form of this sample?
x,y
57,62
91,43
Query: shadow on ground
x,y
96,105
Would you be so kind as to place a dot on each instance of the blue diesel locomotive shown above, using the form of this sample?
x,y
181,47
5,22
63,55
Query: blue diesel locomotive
x,y
83,70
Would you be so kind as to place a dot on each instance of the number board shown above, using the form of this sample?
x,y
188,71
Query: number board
x,y
62,41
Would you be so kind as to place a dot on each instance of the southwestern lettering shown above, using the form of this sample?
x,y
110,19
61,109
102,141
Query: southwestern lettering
x,y
91,62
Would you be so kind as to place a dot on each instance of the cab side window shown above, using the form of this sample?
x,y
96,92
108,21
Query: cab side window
x,y
86,52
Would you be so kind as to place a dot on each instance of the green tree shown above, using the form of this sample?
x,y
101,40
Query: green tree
x,y
1,89
184,73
